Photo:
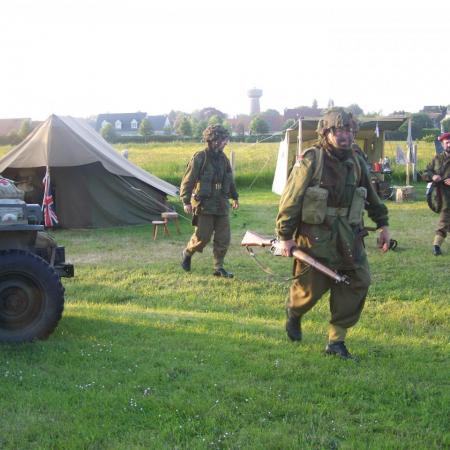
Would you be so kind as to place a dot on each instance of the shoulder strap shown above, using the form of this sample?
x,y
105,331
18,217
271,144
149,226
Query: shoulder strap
x,y
318,163
205,158
357,167
317,176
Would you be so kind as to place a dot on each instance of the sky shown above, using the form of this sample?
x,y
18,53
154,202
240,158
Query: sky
x,y
84,57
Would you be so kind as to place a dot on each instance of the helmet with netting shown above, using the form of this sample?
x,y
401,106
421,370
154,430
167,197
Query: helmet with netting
x,y
336,118
215,133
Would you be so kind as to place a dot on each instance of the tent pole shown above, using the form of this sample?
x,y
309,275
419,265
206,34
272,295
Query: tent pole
x,y
300,137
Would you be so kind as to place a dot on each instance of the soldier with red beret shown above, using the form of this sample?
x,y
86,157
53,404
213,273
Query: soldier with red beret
x,y
438,171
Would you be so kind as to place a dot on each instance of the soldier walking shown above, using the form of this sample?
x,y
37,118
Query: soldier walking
x,y
320,212
438,171
205,190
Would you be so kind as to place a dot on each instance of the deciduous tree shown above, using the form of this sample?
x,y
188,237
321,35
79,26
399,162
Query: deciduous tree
x,y
258,125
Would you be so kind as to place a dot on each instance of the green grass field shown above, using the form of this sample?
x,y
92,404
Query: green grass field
x,y
147,356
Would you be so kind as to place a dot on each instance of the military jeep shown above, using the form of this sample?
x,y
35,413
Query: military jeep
x,y
31,267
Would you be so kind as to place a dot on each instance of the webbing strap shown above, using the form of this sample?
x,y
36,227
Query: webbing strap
x,y
337,212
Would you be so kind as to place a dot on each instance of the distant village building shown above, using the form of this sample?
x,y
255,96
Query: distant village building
x,y
240,125
160,124
127,124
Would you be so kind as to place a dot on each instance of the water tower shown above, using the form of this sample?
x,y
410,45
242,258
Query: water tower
x,y
255,95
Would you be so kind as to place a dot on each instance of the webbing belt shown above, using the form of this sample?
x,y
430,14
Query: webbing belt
x,y
337,212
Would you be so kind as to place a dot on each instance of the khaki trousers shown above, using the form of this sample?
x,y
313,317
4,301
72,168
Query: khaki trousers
x,y
443,226
207,225
346,301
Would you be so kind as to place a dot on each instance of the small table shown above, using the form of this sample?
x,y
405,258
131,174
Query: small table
x,y
166,217
172,215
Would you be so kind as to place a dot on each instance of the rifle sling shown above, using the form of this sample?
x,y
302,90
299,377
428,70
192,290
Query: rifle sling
x,y
269,271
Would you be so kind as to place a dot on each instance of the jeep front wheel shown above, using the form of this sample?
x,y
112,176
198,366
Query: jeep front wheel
x,y
31,297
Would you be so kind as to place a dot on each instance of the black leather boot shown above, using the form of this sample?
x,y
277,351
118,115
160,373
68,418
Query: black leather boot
x,y
338,349
437,250
293,326
222,273
186,261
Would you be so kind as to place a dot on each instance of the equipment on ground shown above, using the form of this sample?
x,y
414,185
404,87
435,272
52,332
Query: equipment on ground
x,y
252,239
31,264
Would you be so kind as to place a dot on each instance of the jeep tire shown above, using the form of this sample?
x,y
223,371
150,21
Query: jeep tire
x,y
31,297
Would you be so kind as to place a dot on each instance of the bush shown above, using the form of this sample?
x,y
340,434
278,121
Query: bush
x,y
430,134
428,138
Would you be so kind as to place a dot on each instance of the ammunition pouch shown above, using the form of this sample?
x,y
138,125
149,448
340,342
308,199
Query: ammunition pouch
x,y
204,186
356,211
314,208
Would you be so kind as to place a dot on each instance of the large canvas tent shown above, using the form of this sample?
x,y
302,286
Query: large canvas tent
x,y
92,185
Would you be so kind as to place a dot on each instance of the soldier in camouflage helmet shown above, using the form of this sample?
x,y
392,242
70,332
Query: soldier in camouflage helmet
x,y
321,212
206,188
438,171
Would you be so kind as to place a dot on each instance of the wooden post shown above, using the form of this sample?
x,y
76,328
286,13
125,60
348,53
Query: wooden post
x,y
233,161
414,171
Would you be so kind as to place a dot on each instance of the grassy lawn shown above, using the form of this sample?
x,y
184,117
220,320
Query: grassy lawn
x,y
147,356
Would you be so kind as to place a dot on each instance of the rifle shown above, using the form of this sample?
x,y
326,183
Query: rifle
x,y
252,239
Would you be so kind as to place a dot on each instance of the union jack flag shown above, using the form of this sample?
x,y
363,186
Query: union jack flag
x,y
50,218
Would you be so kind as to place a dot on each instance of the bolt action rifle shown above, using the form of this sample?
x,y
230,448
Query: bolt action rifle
x,y
252,239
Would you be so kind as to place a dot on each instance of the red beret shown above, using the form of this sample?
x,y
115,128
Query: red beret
x,y
445,136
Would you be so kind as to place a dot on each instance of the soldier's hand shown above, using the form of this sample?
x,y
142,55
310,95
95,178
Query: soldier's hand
x,y
384,239
235,204
286,247
447,181
436,178
188,209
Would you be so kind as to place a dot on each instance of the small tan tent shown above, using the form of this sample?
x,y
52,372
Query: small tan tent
x,y
93,185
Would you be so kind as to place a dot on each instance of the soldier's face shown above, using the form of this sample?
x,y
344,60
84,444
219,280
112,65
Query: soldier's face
x,y
220,144
446,145
340,138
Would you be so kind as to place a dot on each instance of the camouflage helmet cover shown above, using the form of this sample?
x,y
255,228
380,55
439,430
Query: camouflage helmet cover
x,y
336,118
215,133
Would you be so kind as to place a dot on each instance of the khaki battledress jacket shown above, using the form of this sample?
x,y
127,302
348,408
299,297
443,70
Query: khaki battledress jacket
x,y
440,165
208,183
329,235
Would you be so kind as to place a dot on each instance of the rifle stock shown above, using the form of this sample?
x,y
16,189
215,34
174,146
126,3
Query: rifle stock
x,y
252,239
